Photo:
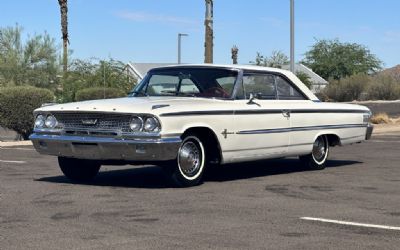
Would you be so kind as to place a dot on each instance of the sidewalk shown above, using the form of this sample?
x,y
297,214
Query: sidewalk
x,y
382,129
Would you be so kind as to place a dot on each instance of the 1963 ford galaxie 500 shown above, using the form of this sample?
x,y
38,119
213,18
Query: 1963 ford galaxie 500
x,y
189,117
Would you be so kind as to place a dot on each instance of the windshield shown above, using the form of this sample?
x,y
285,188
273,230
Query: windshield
x,y
196,82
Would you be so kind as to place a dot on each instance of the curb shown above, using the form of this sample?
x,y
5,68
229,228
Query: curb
x,y
15,143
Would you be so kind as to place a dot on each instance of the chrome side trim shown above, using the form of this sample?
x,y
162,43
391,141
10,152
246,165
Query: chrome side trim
x,y
262,111
284,130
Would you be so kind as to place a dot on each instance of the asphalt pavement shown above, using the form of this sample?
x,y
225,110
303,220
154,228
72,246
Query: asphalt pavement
x,y
353,204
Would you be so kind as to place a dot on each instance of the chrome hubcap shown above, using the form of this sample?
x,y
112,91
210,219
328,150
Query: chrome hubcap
x,y
319,149
189,159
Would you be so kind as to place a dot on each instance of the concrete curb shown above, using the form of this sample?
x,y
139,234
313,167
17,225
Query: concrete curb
x,y
15,143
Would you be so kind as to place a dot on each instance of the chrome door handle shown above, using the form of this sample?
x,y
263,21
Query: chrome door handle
x,y
286,113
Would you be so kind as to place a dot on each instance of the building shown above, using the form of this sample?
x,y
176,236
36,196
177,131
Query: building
x,y
139,70
317,82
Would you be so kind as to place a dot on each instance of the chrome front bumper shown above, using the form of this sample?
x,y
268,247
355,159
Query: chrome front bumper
x,y
100,148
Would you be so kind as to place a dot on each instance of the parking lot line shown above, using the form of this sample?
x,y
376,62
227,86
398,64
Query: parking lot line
x,y
349,223
28,149
16,162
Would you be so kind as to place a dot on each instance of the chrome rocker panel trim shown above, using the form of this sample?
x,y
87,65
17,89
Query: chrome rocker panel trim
x,y
101,148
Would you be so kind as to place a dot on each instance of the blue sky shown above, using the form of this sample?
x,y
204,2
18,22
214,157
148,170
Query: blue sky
x,y
146,31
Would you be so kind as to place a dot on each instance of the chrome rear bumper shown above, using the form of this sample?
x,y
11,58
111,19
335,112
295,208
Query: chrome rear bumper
x,y
100,148
368,135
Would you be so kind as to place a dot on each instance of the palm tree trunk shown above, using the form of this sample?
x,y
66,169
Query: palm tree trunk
x,y
64,30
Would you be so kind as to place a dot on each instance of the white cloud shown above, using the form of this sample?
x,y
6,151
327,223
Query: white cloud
x,y
157,18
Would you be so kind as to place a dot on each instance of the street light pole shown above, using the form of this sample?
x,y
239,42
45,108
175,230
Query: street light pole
x,y
179,46
292,35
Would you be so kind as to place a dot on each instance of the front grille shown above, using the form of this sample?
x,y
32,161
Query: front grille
x,y
93,123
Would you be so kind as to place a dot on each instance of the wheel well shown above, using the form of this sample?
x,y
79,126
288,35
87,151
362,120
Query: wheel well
x,y
333,140
210,140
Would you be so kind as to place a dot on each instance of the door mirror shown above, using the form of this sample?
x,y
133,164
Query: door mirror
x,y
253,97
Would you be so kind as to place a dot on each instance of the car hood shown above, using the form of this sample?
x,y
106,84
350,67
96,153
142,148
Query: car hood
x,y
153,105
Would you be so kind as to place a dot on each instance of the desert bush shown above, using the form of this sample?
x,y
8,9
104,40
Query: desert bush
x,y
347,89
380,118
384,87
98,93
17,105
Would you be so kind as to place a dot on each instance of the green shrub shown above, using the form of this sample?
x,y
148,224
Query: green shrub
x,y
304,78
98,93
384,88
17,105
347,89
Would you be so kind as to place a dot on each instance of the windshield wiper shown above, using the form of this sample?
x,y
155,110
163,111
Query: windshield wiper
x,y
178,93
138,93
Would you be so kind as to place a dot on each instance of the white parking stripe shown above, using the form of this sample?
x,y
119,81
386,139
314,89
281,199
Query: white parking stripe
x,y
349,223
28,149
385,141
17,162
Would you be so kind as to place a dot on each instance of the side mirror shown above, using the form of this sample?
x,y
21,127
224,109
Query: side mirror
x,y
252,97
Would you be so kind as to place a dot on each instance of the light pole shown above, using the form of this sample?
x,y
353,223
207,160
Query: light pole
x,y
180,35
292,35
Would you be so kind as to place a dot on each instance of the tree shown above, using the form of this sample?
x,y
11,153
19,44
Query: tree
x,y
332,59
64,30
304,78
31,63
276,60
94,73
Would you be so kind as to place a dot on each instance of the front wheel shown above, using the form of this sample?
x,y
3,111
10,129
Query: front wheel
x,y
319,155
78,170
189,167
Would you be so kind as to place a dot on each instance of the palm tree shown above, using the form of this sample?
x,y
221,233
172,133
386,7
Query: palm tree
x,y
64,30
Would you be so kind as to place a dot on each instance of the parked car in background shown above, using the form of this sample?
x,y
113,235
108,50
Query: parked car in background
x,y
187,118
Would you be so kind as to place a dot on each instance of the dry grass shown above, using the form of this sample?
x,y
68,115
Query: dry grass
x,y
380,118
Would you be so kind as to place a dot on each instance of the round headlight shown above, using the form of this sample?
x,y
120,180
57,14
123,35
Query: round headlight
x,y
136,124
51,122
151,125
39,122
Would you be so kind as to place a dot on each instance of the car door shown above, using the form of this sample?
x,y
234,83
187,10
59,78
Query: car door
x,y
261,122
301,138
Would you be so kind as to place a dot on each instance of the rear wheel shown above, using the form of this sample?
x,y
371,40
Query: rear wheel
x,y
189,167
319,155
78,170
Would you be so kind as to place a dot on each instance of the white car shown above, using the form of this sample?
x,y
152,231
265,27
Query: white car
x,y
186,118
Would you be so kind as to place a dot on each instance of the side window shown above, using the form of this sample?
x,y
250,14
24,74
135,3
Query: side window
x,y
227,83
187,86
260,85
286,91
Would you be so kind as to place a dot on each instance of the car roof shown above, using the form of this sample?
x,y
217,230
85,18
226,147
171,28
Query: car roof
x,y
226,66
